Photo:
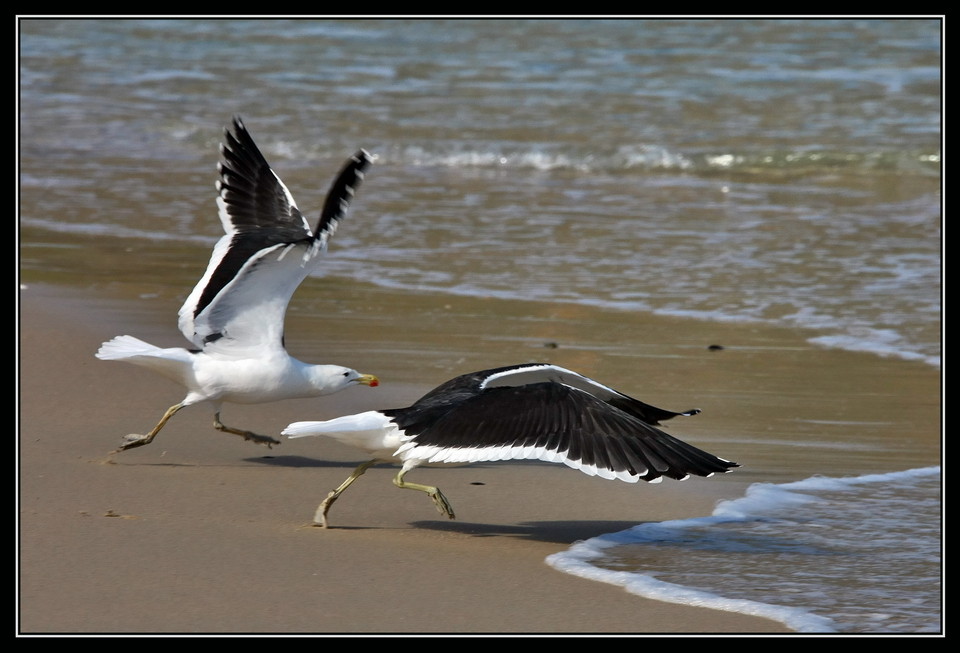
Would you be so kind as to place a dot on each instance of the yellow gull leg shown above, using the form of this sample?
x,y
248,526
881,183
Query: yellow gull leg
x,y
134,440
320,517
434,493
246,435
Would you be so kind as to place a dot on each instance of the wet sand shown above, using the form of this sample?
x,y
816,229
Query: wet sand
x,y
201,532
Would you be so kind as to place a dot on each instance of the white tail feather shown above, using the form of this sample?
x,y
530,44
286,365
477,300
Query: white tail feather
x,y
125,347
368,421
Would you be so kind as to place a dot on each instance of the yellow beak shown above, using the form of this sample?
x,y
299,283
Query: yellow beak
x,y
369,379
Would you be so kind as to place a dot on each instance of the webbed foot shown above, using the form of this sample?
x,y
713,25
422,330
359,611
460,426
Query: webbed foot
x,y
132,441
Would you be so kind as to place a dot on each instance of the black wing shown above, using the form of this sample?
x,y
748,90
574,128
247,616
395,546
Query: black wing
x,y
267,251
554,422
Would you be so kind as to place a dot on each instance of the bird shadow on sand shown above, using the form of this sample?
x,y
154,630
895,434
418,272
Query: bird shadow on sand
x,y
552,532
555,532
303,461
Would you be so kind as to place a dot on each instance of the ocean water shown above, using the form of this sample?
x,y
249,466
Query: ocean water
x,y
822,555
756,171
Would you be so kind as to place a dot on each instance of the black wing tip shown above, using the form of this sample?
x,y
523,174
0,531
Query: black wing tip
x,y
725,466
342,191
236,124
683,472
233,134
359,162
236,139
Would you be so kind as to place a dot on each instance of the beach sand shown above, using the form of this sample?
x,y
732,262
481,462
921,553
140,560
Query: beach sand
x,y
201,532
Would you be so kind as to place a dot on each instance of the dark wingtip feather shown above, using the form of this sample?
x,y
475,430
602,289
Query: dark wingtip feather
x,y
342,191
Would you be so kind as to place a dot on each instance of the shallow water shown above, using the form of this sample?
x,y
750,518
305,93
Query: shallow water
x,y
754,170
822,555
